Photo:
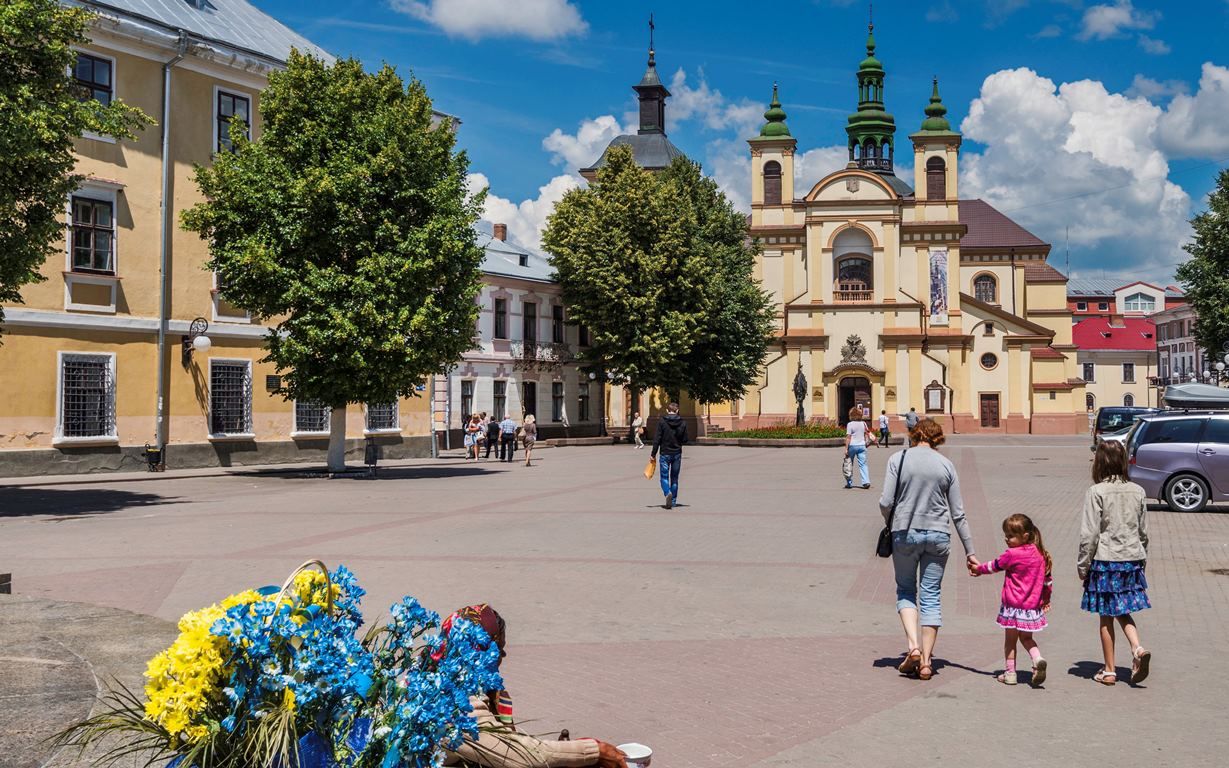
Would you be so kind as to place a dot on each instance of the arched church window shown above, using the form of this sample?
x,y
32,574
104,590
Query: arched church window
x,y
1090,401
772,183
936,179
1128,400
869,149
985,288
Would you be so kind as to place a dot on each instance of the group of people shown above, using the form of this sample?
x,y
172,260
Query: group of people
x,y
921,503
857,439
482,430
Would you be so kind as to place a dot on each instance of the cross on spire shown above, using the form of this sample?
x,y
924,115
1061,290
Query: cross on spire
x,y
652,27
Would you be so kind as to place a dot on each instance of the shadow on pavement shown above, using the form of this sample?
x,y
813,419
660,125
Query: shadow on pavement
x,y
385,473
66,503
1087,669
937,664
1211,509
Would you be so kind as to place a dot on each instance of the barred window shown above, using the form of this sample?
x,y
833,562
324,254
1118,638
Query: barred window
x,y
88,391
311,417
231,106
93,76
230,398
381,416
985,288
93,235
556,396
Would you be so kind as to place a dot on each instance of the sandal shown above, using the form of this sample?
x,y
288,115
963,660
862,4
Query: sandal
x,y
912,660
925,672
1139,664
1105,678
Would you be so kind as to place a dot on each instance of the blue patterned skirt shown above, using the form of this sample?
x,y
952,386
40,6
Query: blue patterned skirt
x,y
1115,589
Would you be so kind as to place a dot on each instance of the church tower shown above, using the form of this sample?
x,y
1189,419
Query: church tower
x,y
872,131
652,96
936,150
772,167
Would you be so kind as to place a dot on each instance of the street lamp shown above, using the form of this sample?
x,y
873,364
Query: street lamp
x,y
196,340
601,405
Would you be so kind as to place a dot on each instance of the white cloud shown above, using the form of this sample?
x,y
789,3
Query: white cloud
x,y
1155,89
1049,30
1076,155
1153,46
525,219
476,19
1194,126
1102,22
583,148
710,107
942,11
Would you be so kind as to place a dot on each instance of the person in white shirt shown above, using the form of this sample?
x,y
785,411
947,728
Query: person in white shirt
x,y
855,445
883,428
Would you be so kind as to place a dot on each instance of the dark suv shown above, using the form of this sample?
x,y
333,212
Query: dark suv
x,y
1182,458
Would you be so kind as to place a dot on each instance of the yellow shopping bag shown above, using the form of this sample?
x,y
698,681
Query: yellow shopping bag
x,y
650,469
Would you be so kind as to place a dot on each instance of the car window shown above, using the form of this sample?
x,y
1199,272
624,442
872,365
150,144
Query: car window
x,y
1173,431
1113,420
1217,431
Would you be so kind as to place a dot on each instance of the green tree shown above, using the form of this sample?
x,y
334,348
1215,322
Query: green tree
x,y
657,267
348,225
1205,276
42,111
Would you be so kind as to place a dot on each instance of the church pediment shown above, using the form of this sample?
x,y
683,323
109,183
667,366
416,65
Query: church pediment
x,y
851,184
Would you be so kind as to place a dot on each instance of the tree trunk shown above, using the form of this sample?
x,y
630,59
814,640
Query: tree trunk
x,y
337,439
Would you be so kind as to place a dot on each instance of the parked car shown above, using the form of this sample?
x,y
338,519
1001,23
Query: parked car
x,y
1181,458
1116,418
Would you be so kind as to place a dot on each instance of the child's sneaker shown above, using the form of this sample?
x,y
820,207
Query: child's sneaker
x,y
1007,678
1039,673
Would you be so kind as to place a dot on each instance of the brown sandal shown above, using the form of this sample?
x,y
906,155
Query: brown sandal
x,y
912,659
925,672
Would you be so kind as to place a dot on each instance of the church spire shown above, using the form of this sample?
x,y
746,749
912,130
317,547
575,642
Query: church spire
x,y
775,127
936,113
871,130
651,93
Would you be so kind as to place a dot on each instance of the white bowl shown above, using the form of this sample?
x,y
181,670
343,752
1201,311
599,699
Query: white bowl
x,y
638,755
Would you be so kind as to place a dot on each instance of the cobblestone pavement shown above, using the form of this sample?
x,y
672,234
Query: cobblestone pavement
x,y
751,626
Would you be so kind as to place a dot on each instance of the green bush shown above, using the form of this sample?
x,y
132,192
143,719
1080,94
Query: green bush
x,y
814,430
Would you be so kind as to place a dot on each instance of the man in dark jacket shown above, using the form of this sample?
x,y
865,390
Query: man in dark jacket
x,y
671,434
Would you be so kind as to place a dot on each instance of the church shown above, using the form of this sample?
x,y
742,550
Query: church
x,y
894,295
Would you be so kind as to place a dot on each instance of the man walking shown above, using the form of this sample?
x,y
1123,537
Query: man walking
x,y
492,437
911,419
883,428
671,434
507,438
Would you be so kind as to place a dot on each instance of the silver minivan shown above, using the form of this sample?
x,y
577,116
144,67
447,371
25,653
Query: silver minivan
x,y
1181,458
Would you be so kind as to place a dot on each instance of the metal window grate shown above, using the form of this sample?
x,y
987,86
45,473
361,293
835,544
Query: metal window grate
x,y
310,417
230,399
89,396
381,416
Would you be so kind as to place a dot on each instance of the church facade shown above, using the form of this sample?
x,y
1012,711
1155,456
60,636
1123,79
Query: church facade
x,y
894,294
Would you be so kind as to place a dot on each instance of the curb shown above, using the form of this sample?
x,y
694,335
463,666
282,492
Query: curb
x,y
757,442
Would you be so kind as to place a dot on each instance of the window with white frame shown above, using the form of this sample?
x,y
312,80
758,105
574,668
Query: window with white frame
x,y
1081,306
382,417
467,398
500,406
556,397
87,396
1090,372
93,236
311,417
231,106
230,397
1128,373
1140,302
95,77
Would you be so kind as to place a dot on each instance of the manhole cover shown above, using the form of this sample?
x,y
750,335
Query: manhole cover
x,y
1219,571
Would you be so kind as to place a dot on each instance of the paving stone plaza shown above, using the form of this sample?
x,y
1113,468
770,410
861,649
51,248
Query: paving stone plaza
x,y
749,626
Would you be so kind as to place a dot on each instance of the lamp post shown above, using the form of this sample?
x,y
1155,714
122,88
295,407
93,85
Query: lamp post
x,y
195,340
601,403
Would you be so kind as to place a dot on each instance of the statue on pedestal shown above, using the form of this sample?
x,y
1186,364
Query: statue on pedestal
x,y
800,393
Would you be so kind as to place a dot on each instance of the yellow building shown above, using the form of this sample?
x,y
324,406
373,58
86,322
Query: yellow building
x,y
99,352
895,296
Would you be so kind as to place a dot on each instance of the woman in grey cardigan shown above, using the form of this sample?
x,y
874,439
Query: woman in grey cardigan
x,y
928,504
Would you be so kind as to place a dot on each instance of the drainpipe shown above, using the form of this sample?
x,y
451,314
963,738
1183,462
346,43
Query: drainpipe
x,y
181,49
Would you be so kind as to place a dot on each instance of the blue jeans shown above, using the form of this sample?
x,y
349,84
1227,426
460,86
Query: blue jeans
x,y
919,557
670,464
858,454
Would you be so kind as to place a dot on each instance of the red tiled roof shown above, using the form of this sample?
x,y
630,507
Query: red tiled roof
x,y
988,228
1046,353
1096,333
1040,272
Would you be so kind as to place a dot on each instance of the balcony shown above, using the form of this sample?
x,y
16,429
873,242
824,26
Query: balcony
x,y
539,356
851,297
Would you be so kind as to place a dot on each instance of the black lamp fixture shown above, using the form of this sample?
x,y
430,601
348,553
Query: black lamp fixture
x,y
196,340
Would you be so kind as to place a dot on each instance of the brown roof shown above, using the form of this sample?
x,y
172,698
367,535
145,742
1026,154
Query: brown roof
x,y
1046,353
988,228
1041,272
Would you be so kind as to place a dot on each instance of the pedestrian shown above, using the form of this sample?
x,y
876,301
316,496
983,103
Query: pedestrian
x,y
883,428
855,446
507,438
1113,553
529,434
911,419
481,436
472,430
638,430
668,441
920,503
1026,594
492,437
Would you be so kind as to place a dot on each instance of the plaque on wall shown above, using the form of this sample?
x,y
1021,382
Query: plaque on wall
x,y
889,393
817,393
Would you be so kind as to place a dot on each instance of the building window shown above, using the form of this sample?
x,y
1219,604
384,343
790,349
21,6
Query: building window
x,y
936,179
529,322
87,396
529,397
1090,372
985,289
500,408
1103,306
582,401
523,260
1128,400
1081,306
1053,395
230,398
231,106
583,335
467,399
989,361
989,330
93,235
854,279
1128,373
382,417
1140,302
1090,402
310,417
94,76
556,401
501,318
556,325
772,183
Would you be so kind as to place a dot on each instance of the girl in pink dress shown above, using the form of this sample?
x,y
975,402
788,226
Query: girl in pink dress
x,y
1026,593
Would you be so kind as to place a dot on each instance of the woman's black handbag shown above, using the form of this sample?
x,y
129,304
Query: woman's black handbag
x,y
883,547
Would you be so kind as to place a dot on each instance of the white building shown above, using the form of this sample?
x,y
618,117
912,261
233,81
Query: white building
x,y
1179,358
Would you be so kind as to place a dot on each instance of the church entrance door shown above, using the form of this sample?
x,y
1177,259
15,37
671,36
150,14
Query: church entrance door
x,y
851,391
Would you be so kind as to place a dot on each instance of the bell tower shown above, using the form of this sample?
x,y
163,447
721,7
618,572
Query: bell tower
x,y
772,167
871,130
936,154
652,94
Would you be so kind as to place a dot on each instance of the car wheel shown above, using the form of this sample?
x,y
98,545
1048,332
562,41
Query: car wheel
x,y
1186,493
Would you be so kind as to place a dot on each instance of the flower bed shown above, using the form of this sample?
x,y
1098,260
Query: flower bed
x,y
813,431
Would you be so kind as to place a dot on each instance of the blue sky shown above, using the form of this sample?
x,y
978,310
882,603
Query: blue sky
x,y
1104,118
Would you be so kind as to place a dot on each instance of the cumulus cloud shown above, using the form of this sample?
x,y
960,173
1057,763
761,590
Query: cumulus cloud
x,y
1155,47
1155,89
582,149
1194,126
707,104
942,11
476,19
1048,31
1076,155
1102,22
527,219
